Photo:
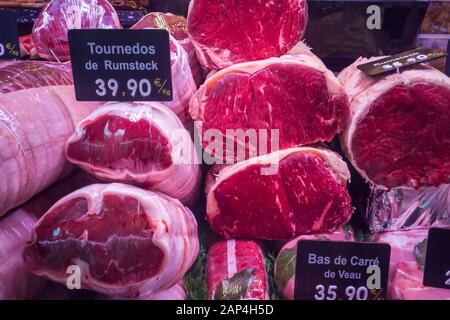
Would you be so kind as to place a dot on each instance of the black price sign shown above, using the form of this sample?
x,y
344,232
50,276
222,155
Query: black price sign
x,y
400,61
437,261
121,65
9,36
333,270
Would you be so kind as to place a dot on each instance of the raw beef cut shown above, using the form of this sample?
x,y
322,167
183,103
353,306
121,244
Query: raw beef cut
x,y
139,143
285,263
408,252
59,16
177,27
280,195
398,130
295,94
405,208
235,270
38,113
233,31
125,241
16,281
183,84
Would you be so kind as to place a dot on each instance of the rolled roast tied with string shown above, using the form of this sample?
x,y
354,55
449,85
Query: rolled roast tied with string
x,y
138,143
235,270
117,239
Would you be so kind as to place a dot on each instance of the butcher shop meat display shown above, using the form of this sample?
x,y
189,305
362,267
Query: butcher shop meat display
x,y
38,113
294,99
126,241
280,195
235,150
235,270
233,31
138,143
398,130
59,16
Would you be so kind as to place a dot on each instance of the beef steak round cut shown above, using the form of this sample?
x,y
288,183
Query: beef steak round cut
x,y
233,31
280,195
140,143
125,241
398,132
295,94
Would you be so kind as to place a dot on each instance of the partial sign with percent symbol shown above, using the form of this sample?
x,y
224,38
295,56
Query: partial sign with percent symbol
x,y
9,35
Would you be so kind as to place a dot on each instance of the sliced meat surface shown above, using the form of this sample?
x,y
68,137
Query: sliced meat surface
x,y
280,195
266,105
398,132
138,143
233,31
124,241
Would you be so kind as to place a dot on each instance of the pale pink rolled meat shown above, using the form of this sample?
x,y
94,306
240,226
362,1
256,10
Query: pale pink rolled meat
x,y
38,113
16,281
138,143
177,27
126,241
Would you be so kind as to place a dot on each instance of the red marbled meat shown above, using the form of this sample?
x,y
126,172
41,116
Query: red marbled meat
x,y
398,132
38,113
231,258
295,94
233,31
126,241
177,27
280,195
139,143
16,281
59,16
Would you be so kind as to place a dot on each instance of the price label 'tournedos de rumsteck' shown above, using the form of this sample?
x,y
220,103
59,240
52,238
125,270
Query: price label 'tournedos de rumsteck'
x,y
121,65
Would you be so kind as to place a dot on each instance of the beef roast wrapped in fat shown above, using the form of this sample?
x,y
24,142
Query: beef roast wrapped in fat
x,y
233,31
16,281
59,16
398,130
408,252
183,84
285,263
235,270
38,113
177,27
126,241
280,195
405,208
278,103
139,143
